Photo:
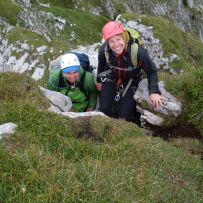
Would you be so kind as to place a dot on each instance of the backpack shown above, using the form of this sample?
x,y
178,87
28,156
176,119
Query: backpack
x,y
84,61
135,34
134,46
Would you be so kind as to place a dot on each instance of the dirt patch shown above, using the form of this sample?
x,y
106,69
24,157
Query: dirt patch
x,y
177,131
197,152
86,128
86,131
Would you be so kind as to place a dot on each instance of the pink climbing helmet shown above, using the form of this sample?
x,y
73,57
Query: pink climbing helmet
x,y
111,29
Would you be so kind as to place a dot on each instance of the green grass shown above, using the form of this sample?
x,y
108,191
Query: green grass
x,y
86,26
70,4
188,88
186,144
9,11
51,158
65,3
22,34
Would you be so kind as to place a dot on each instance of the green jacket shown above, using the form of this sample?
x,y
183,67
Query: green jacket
x,y
81,99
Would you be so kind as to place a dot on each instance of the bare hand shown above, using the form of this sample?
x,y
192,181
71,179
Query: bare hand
x,y
99,86
156,100
90,109
73,110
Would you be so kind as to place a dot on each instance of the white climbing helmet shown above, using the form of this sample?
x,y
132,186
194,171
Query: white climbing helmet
x,y
70,62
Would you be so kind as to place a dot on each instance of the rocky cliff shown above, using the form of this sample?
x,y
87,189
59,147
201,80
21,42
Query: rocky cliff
x,y
187,14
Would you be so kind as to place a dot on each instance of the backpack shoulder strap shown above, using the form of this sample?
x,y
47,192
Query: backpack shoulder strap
x,y
81,83
134,50
61,83
106,53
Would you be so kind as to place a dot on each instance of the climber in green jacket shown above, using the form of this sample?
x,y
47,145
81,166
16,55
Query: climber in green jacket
x,y
76,83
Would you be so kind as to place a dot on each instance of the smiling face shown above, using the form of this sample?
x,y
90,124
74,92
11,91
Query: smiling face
x,y
72,76
117,44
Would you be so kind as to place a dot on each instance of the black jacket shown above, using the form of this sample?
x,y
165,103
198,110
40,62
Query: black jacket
x,y
124,62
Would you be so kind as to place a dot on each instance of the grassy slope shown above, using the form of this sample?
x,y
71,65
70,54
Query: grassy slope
x,y
86,26
45,162
55,159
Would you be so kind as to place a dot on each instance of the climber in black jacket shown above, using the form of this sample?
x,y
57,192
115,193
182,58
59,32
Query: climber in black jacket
x,y
117,76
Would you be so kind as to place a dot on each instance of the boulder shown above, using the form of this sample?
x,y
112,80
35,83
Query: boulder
x,y
57,99
171,106
7,128
82,114
149,117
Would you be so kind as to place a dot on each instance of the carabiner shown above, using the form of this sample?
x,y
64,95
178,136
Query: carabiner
x,y
103,79
117,97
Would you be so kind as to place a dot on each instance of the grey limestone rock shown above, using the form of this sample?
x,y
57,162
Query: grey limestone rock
x,y
171,106
7,128
57,99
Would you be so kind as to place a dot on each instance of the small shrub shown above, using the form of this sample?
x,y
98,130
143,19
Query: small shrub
x,y
9,11
190,87
185,3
